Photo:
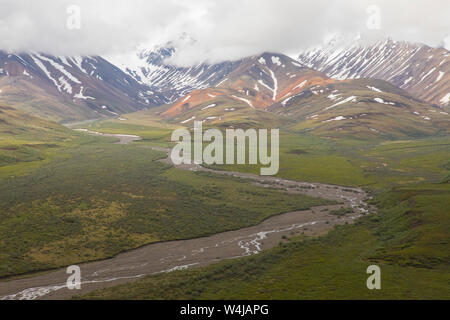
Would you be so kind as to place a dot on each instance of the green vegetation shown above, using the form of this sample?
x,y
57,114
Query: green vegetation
x,y
389,114
156,135
375,164
99,198
67,197
341,212
27,142
407,238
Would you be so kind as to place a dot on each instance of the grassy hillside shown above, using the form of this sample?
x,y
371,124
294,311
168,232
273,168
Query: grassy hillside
x,y
16,125
29,97
365,109
27,142
226,112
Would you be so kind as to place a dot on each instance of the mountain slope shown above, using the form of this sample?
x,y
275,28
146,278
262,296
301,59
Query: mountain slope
x,y
69,88
421,70
269,77
287,93
148,68
17,125
256,83
26,141
219,107
362,107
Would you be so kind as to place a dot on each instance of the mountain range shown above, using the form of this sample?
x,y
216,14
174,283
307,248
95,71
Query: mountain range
x,y
66,89
69,88
421,70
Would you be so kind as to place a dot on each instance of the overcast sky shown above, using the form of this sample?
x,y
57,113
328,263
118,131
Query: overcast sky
x,y
226,29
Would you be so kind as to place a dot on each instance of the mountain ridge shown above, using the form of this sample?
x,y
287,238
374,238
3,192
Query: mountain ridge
x,y
69,88
422,70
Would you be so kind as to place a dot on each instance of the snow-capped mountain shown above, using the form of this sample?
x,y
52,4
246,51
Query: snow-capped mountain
x,y
70,88
78,88
284,87
149,68
256,82
263,76
417,68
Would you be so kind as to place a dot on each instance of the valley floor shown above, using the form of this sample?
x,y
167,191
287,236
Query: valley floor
x,y
84,217
183,254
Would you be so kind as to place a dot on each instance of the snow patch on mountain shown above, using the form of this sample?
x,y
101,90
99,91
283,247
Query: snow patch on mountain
x,y
81,96
446,99
349,99
245,100
379,100
276,60
209,106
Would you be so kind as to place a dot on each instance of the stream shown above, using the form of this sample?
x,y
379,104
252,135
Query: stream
x,y
164,257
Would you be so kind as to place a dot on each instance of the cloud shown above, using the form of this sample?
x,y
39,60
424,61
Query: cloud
x,y
223,30
106,25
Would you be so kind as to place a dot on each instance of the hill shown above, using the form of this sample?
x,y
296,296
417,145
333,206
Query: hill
x,y
362,107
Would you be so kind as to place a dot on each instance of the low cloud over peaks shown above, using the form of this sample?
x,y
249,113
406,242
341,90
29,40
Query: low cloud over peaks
x,y
223,30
